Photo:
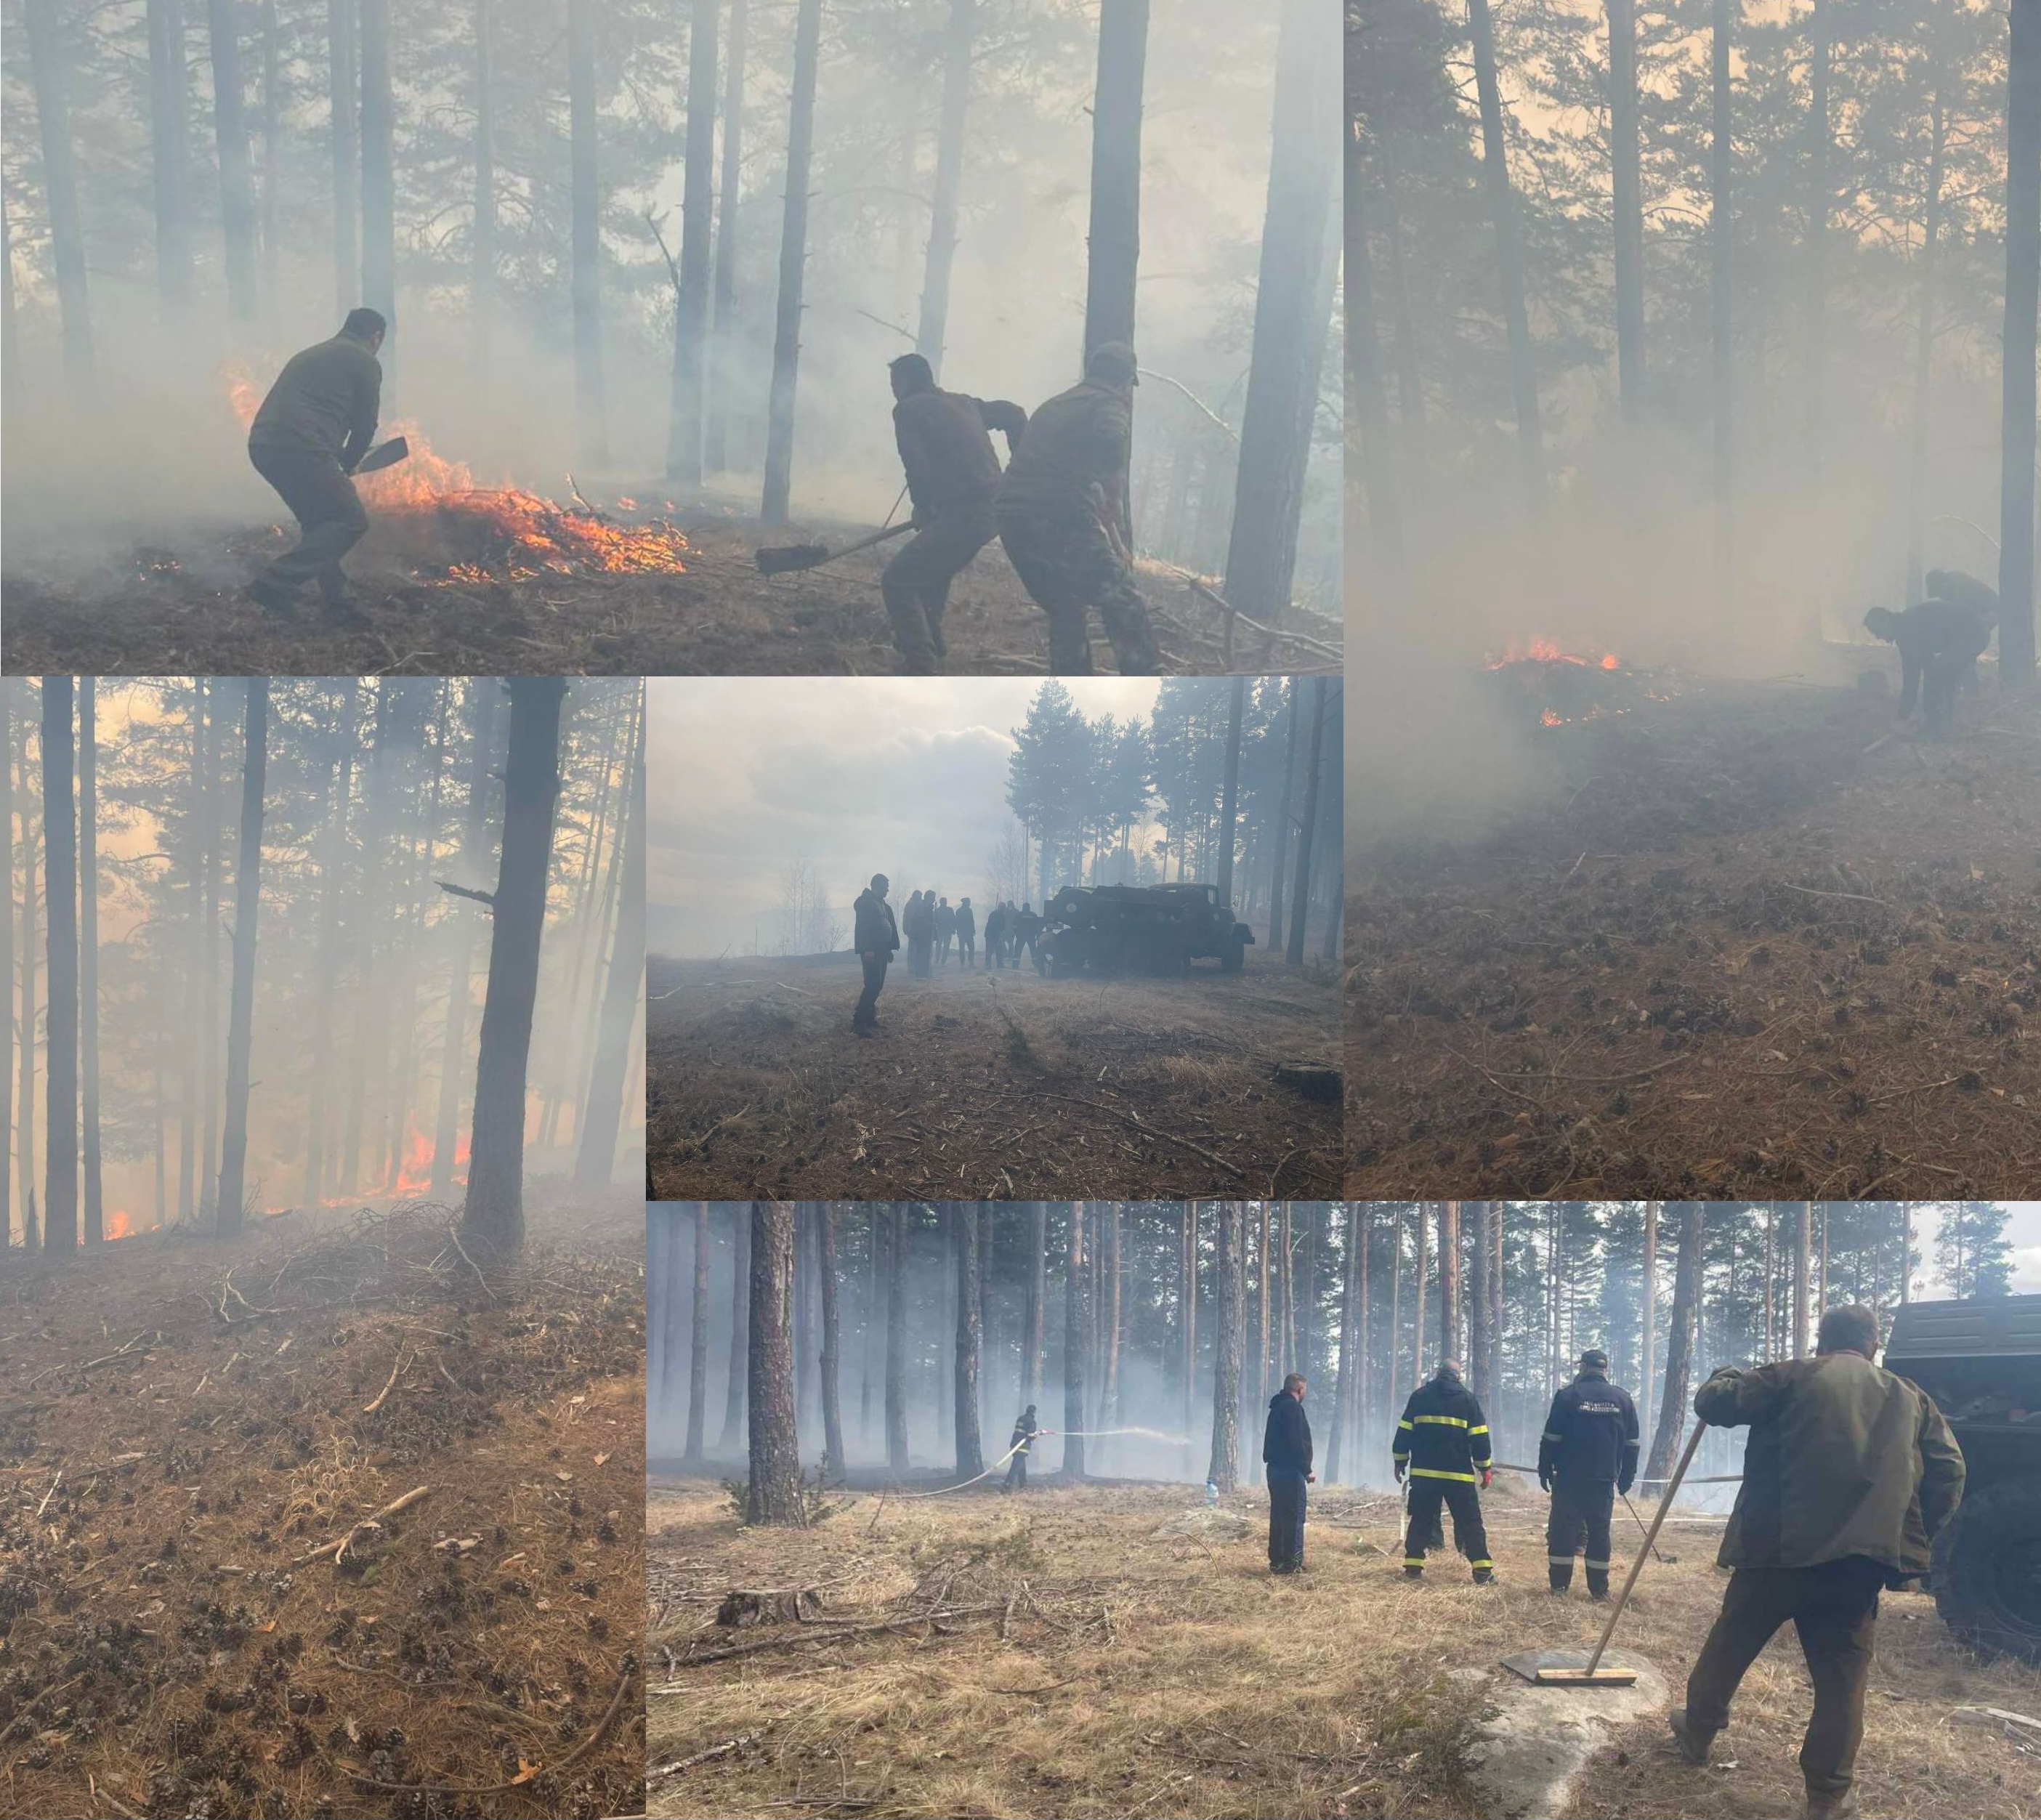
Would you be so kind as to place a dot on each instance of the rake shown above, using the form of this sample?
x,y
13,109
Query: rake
x,y
785,558
1559,1668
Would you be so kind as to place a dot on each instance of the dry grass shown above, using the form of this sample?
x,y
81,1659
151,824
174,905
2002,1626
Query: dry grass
x,y
1175,1678
172,1640
987,1085
1750,945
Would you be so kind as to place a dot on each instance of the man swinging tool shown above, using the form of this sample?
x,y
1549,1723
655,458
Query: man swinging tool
x,y
952,472
308,438
1586,1455
1849,1473
1443,1442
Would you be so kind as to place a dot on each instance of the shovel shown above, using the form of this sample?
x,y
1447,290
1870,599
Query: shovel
x,y
384,455
1551,1668
785,558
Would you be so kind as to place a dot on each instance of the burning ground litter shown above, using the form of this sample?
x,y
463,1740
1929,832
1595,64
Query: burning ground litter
x,y
329,1521
1065,1653
988,1086
1753,940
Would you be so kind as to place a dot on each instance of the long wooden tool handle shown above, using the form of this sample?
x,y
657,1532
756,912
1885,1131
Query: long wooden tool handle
x,y
876,537
1651,1536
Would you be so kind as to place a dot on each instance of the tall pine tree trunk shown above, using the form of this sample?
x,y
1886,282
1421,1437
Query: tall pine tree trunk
x,y
49,74
1924,349
1803,1220
474,850
241,1014
1346,1387
1479,1378
379,178
1277,420
88,952
1452,1339
793,261
8,1027
167,159
481,245
1820,204
272,103
1365,392
1114,240
596,1160
896,1458
1034,1338
691,314
1075,1315
1720,325
969,1336
716,453
1224,1469
343,116
697,1441
493,1211
60,896
2023,288
1679,1342
1187,1321
833,1454
774,1496
1625,190
1230,802
332,850
237,177
1501,197
1648,1297
1301,895
585,237
740,1338
949,175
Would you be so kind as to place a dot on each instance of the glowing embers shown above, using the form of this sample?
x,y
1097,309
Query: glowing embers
x,y
1544,650
1550,686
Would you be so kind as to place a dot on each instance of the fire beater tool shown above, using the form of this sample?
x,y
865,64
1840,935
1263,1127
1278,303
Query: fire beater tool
x,y
384,455
786,558
1560,1668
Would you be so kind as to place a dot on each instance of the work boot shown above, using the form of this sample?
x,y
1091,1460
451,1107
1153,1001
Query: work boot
x,y
1842,1807
1413,1573
1693,1742
1562,1579
1484,1576
274,597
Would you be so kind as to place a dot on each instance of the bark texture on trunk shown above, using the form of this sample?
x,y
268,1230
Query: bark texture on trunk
x,y
1679,1343
585,232
793,261
49,73
691,313
833,1455
773,1495
60,898
949,181
228,1204
970,1337
2023,293
1076,1316
622,989
88,952
1224,1469
379,180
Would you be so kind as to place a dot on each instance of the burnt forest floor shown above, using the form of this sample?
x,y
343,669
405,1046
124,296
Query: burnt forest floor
x,y
1060,1654
178,607
188,1421
1755,943
987,1085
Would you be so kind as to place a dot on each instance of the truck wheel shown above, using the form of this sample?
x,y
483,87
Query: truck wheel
x,y
1232,957
1986,1573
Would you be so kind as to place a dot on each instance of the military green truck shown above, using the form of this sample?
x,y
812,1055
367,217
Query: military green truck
x,y
1980,1361
1141,929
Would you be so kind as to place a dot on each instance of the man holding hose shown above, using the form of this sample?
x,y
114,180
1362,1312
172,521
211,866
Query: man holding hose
x,y
1849,1473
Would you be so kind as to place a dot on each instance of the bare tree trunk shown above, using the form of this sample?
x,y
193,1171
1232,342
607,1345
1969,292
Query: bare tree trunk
x,y
1420,1360
1346,1387
1033,1340
1905,1253
1393,1386
49,73
1479,1378
482,243
1109,1403
691,314
272,150
833,1453
698,1344
1075,1317
1114,237
493,1211
949,174
24,1123
1924,349
596,1160
1509,257
8,1021
1771,1278
166,152
1301,896
773,1496
333,852
1224,1471
1679,1342
343,106
1370,422
474,860
1282,832
1227,815
740,1339
896,1343
1627,198
379,180
236,178
969,1336
1452,1337
1721,273
793,260
723,351
2023,284
60,895
88,952
1278,419
1648,1295
1803,1237
232,1192
872,1325
586,213
1187,1319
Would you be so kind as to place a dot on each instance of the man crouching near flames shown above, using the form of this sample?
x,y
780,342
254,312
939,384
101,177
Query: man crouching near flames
x,y
313,428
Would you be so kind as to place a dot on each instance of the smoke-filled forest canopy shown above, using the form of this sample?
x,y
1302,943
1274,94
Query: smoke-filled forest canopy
x,y
278,944
644,266
1362,1297
776,803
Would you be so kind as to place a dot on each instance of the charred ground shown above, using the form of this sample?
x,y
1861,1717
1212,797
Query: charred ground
x,y
450,591
1062,1654
987,1085
192,1421
1755,943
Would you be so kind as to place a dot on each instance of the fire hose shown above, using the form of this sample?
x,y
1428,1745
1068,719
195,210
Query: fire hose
x,y
1021,1446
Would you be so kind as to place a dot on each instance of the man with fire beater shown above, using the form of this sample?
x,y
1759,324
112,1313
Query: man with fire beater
x,y
1587,1453
1442,1442
312,430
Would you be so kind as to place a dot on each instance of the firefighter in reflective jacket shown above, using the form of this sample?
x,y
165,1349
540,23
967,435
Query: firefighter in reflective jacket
x,y
1442,1442
1587,1453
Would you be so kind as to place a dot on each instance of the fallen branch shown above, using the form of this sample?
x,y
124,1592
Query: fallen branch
x,y
338,1547
809,1634
403,1358
714,1751
1852,897
1168,1137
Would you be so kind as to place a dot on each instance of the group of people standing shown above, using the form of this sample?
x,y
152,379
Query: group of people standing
x,y
932,926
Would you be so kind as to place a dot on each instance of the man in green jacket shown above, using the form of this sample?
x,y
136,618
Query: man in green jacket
x,y
1849,1473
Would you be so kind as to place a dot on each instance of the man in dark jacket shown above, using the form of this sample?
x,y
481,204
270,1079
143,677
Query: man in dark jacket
x,y
1286,1452
876,938
1026,931
945,929
917,923
952,473
316,424
1062,517
967,933
1586,1456
1442,1442
1939,643
1025,1431
1849,1473
995,935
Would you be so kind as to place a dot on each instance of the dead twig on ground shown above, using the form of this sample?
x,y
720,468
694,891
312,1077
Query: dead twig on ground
x,y
339,1546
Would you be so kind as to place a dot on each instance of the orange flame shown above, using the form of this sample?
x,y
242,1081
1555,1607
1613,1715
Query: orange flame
x,y
118,1225
1545,651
